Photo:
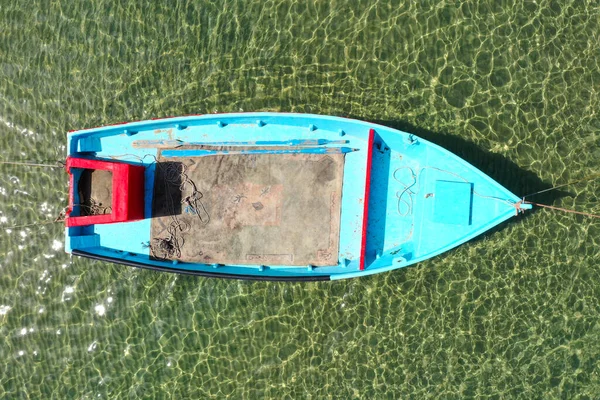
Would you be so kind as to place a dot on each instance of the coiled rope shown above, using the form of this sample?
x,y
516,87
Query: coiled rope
x,y
407,190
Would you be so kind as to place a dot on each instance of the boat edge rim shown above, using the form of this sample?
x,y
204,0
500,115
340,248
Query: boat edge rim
x,y
312,278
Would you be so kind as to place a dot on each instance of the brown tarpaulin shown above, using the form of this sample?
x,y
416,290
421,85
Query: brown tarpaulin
x,y
267,209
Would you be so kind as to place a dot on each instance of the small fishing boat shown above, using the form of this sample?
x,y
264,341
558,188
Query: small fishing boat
x,y
272,196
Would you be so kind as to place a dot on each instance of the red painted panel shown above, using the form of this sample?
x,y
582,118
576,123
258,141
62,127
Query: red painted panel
x,y
127,191
363,245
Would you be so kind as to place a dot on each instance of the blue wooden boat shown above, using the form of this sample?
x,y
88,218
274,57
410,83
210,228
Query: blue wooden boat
x,y
272,196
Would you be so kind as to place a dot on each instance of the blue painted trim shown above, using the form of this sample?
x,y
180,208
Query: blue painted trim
x,y
178,143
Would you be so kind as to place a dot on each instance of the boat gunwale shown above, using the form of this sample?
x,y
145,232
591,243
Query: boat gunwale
x,y
247,277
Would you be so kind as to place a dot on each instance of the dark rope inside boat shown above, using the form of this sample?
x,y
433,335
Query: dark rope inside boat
x,y
89,205
169,247
94,208
193,200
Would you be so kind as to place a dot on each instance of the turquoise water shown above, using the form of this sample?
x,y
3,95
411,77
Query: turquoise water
x,y
513,87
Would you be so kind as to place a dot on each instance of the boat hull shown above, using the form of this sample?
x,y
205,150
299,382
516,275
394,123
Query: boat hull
x,y
364,198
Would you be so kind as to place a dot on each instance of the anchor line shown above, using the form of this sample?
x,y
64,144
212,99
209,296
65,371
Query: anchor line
x,y
33,224
59,164
587,178
562,209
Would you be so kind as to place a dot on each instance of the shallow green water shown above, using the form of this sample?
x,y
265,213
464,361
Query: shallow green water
x,y
513,87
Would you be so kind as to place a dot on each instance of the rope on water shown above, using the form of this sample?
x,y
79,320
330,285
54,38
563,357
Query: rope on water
x,y
587,178
563,209
59,164
60,218
32,224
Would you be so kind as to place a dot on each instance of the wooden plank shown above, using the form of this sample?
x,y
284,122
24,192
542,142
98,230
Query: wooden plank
x,y
175,143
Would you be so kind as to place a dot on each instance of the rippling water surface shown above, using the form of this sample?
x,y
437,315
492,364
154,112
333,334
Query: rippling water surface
x,y
513,87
